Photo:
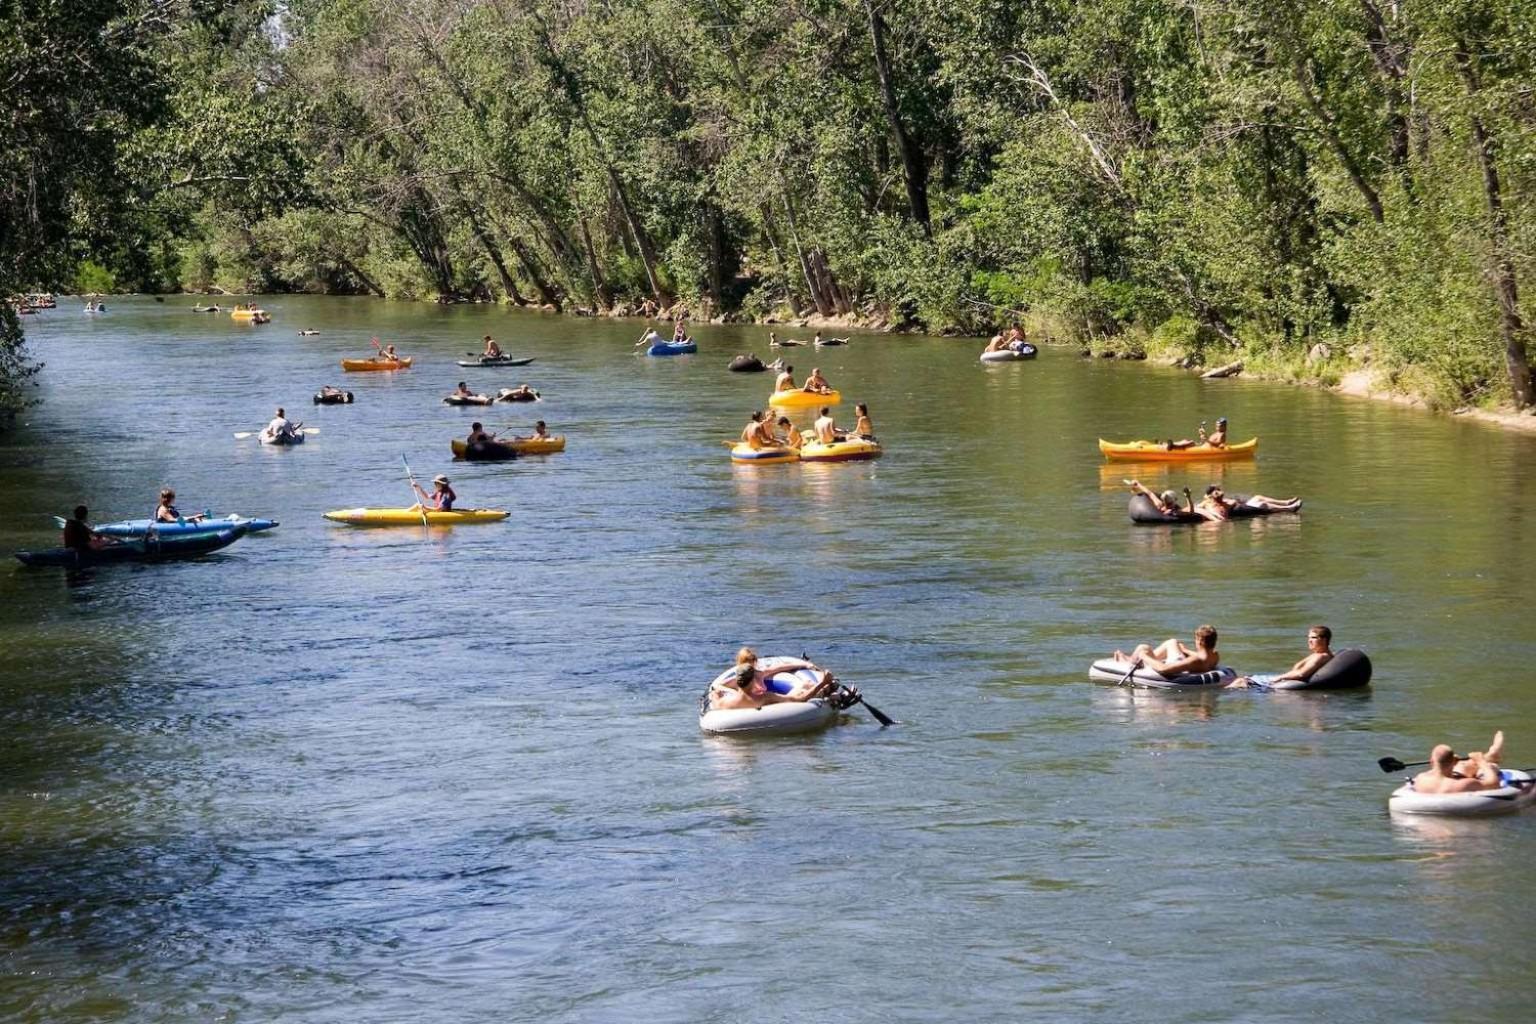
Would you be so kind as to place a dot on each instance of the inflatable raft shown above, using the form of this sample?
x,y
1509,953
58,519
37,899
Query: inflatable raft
x,y
772,719
413,516
746,364
1108,670
1017,352
1157,451
517,394
359,365
798,399
333,398
151,549
139,527
1517,793
457,399
518,446
496,361
1348,670
851,449
746,454
1144,513
672,348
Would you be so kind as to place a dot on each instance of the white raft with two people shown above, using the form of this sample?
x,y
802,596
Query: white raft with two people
x,y
776,696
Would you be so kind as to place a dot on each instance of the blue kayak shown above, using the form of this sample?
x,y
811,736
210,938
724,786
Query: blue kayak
x,y
156,549
138,527
672,348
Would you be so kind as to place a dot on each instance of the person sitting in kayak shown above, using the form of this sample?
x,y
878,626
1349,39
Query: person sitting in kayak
x,y
862,427
442,497
78,535
1218,437
1171,658
1318,654
1167,503
477,435
1443,776
540,433
166,511
385,354
816,383
826,427
280,429
786,380
492,350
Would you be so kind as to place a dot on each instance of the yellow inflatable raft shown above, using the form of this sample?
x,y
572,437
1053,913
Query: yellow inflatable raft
x,y
798,399
850,449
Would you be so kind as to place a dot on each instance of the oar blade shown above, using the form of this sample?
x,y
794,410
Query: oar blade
x,y
885,720
1390,764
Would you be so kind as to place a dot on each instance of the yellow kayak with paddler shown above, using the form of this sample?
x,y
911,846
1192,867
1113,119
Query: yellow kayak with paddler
x,y
412,516
1158,451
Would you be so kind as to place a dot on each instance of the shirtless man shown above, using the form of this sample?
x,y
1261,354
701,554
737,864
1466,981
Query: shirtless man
x,y
826,427
1475,761
1442,776
816,382
1318,655
492,350
1171,658
752,433
786,380
477,435
791,438
1218,437
1167,503
1218,506
996,344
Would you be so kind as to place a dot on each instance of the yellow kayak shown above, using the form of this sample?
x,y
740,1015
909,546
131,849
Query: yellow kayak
x,y
412,516
1158,451
798,399
376,364
848,450
523,446
747,455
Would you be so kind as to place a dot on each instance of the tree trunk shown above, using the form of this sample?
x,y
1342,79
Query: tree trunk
x,y
822,303
549,294
600,291
778,253
1335,143
355,271
913,163
1502,267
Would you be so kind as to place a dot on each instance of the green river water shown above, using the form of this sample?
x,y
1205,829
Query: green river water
x,y
343,775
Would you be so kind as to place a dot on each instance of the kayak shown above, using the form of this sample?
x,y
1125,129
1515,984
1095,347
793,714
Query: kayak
x,y
798,399
157,549
281,440
1108,670
468,400
745,453
518,446
848,450
1157,451
672,348
772,719
1012,354
497,361
746,364
1144,513
412,516
335,398
1517,793
483,451
376,364
138,527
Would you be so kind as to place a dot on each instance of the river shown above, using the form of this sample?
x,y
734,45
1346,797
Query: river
x,y
344,775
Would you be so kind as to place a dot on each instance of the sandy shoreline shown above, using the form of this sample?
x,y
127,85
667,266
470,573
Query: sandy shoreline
x,y
1362,384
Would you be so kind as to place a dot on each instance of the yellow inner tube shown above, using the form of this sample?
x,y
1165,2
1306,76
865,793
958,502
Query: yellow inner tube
x,y
798,399
840,451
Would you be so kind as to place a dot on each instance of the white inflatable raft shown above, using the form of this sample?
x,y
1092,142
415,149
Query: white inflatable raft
x,y
1108,670
1517,793
771,719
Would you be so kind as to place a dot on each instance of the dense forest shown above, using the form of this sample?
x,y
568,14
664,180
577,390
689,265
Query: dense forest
x,y
1304,186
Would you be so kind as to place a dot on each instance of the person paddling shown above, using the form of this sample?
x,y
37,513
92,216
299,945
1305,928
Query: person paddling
x,y
492,350
280,429
78,535
166,512
1318,654
442,497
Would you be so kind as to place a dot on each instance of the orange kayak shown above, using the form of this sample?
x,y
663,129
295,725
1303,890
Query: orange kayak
x,y
376,364
1158,451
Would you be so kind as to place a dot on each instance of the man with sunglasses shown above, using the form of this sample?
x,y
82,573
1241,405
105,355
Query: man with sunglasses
x,y
1318,655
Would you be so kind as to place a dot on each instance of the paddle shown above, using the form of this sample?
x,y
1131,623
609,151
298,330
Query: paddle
x,y
1136,664
880,716
415,490
1392,764
301,429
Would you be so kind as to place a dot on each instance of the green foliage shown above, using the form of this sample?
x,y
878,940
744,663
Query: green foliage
x,y
93,278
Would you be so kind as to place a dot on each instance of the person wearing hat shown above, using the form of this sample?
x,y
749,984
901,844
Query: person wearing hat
x,y
1218,437
1167,503
442,497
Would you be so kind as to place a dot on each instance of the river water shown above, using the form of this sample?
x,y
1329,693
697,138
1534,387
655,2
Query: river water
x,y
345,775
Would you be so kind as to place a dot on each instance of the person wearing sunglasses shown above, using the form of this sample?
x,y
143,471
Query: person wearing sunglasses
x,y
1318,654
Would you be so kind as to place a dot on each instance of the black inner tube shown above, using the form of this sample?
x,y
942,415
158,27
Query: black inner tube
x,y
1349,669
